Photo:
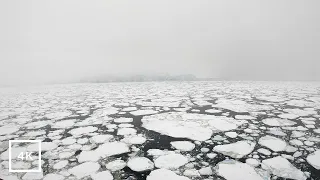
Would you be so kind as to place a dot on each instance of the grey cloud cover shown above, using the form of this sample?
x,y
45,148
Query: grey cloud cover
x,y
46,41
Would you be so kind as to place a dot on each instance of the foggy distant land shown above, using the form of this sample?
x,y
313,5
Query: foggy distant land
x,y
144,78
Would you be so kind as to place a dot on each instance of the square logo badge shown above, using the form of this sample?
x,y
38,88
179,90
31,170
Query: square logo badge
x,y
20,156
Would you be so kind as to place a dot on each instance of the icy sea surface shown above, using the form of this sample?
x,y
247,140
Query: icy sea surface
x,y
163,131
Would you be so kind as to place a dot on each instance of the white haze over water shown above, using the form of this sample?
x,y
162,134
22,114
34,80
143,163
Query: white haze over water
x,y
61,41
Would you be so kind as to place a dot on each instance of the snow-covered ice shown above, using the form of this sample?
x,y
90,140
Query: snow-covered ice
x,y
236,150
281,167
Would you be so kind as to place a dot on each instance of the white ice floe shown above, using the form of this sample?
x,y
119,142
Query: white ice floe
x,y
112,148
273,143
65,155
191,173
64,124
316,131
240,106
233,170
68,141
278,122
288,116
101,138
6,130
245,117
32,176
314,159
129,109
104,175
83,130
116,165
134,139
183,145
84,169
123,120
171,161
213,111
60,164
276,131
253,162
301,112
211,155
143,112
53,177
192,126
296,142
281,167
37,124
161,174
89,156
140,164
126,131
45,146
157,152
205,171
231,134
264,151
236,150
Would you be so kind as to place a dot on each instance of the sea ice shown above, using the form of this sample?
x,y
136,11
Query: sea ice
x,y
171,161
161,174
273,143
140,164
104,175
314,159
83,130
6,130
281,167
236,150
183,145
143,112
116,165
278,122
233,170
85,169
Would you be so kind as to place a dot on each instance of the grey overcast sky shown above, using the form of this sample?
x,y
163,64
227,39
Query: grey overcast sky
x,y
62,40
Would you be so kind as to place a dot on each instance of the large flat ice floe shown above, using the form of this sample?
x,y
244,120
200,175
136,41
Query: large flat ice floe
x,y
240,106
192,126
83,130
234,170
171,161
183,145
273,143
161,174
143,112
4,130
278,122
281,167
140,164
314,159
85,169
236,150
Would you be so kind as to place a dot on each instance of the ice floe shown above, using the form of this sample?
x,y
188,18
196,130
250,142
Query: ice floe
x,y
161,174
314,159
278,122
171,161
273,143
183,145
233,170
140,164
281,167
84,169
236,150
